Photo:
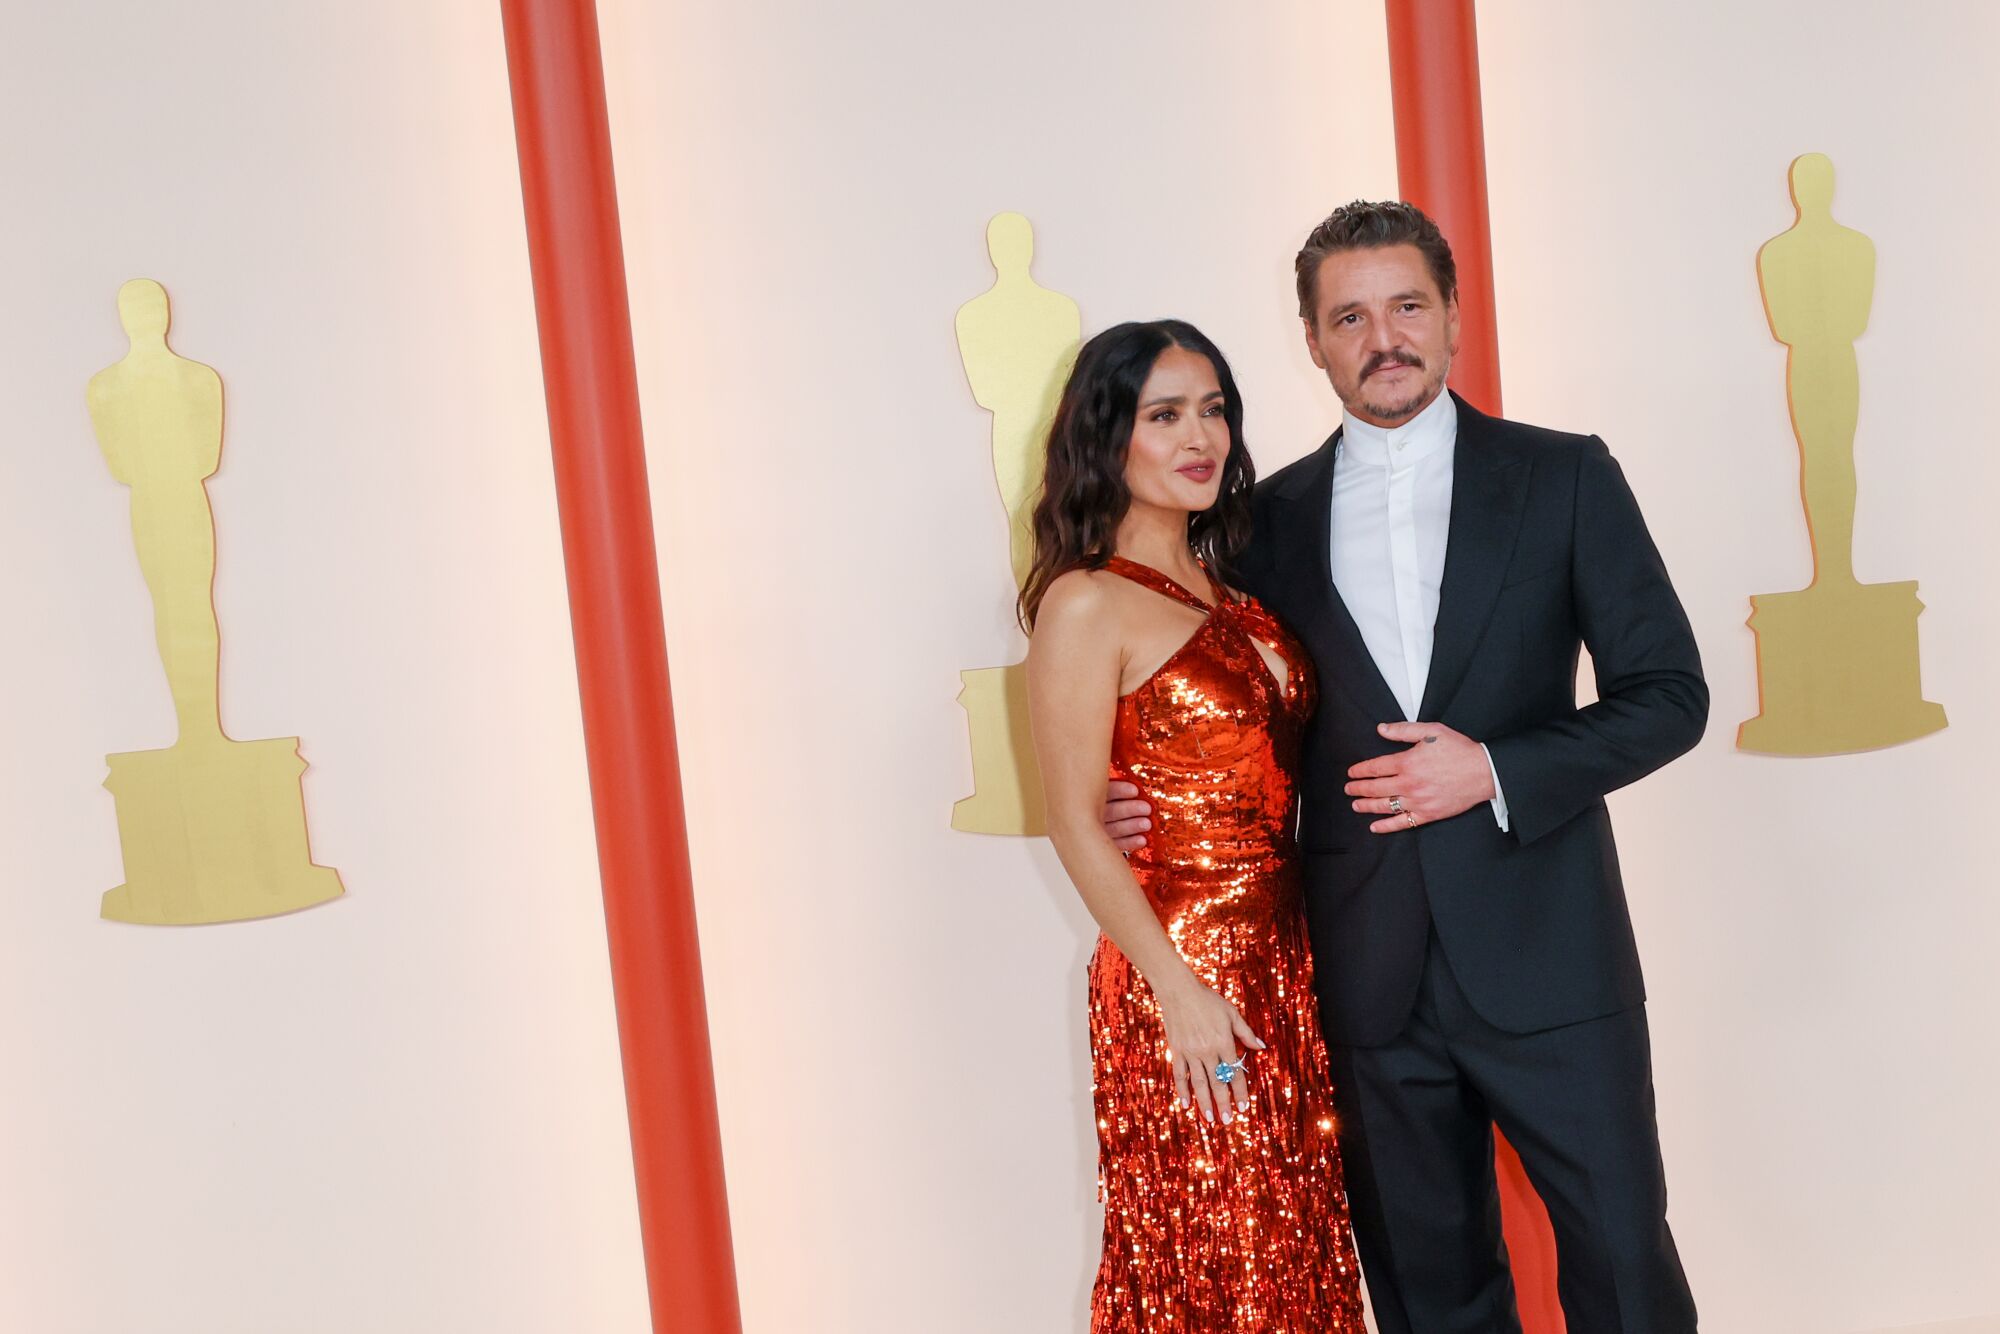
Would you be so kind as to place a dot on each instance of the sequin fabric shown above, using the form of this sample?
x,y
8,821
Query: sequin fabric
x,y
1212,1228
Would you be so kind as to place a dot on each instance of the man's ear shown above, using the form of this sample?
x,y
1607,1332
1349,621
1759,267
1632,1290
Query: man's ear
x,y
1451,323
1312,343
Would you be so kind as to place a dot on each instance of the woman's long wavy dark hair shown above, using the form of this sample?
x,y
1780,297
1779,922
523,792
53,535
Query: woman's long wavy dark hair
x,y
1084,498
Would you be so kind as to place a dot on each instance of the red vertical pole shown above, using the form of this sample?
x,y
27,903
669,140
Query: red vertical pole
x,y
563,134
1441,164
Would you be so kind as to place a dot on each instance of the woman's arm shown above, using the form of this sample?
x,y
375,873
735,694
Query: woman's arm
x,y
1074,663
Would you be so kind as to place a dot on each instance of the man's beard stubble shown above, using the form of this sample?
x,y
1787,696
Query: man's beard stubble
x,y
1396,411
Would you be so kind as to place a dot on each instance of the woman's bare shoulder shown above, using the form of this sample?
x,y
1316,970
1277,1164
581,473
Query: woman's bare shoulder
x,y
1081,603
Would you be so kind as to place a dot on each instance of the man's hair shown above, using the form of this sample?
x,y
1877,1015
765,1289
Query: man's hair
x,y
1369,225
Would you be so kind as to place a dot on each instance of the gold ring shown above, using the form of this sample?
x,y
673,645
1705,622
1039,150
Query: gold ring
x,y
1412,820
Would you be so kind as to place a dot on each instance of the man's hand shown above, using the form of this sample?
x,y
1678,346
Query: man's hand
x,y
1443,773
1126,818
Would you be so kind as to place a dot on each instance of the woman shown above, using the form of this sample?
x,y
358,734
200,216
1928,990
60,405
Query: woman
x,y
1217,1166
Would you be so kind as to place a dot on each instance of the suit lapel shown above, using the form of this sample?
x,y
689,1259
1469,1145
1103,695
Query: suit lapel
x,y
1489,491
1306,562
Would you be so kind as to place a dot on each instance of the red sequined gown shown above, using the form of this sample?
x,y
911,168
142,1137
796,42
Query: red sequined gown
x,y
1212,1228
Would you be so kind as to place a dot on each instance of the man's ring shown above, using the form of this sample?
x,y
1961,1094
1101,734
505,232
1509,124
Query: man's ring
x,y
1226,1071
1395,805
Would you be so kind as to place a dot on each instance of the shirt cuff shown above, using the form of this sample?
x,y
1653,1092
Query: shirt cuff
x,y
1499,802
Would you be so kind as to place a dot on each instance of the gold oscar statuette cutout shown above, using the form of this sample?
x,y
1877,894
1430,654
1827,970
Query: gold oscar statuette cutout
x,y
213,830
1837,662
1017,340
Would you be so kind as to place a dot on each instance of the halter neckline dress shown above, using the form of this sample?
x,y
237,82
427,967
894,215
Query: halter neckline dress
x,y
1213,1228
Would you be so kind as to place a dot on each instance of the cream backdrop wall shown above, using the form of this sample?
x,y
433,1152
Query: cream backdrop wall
x,y
1818,934
402,1112
897,1007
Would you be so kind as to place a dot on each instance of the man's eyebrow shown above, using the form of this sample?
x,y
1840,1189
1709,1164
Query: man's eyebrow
x,y
1413,294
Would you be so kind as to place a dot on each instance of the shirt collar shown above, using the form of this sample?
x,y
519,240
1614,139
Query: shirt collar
x,y
1435,428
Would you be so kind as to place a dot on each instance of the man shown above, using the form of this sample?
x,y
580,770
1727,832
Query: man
x,y
1474,955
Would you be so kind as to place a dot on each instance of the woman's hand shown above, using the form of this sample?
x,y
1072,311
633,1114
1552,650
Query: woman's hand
x,y
1203,1031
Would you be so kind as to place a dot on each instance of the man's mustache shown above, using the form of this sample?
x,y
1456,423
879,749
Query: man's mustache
x,y
1396,358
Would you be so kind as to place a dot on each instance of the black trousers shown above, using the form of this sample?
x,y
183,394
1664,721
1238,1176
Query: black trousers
x,y
1416,1141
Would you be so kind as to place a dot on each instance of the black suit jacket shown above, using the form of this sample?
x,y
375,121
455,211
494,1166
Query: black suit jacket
x,y
1547,551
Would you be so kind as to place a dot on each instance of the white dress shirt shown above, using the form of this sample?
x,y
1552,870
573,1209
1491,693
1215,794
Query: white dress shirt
x,y
1391,519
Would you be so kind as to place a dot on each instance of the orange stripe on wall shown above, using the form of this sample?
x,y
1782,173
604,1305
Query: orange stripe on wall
x,y
570,198
1441,166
